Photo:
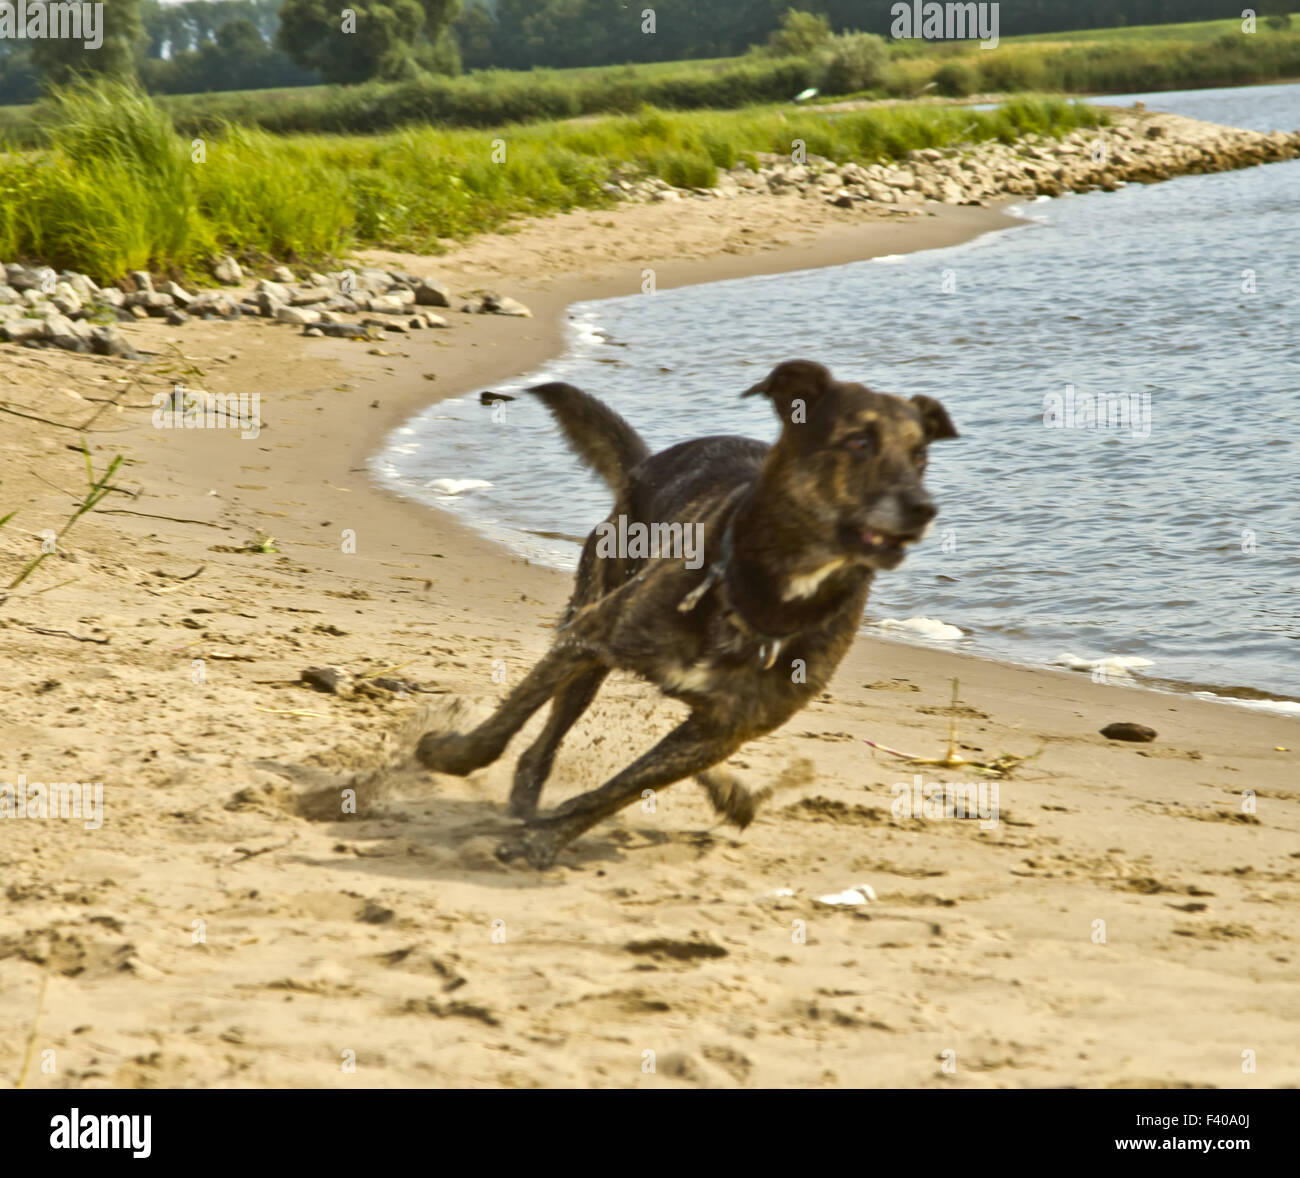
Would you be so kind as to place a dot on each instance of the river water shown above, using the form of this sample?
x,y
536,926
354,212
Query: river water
x,y
1171,533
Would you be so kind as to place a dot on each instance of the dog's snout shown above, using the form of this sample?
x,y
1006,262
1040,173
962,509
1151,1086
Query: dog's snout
x,y
919,512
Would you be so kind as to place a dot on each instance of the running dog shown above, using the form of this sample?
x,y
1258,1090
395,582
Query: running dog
x,y
793,535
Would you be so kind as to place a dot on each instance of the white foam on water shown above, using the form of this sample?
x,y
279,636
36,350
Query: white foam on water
x,y
1279,707
457,486
889,259
925,627
1111,664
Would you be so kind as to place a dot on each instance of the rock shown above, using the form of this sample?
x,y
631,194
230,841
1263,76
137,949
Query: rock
x,y
388,304
431,320
8,295
22,278
429,292
1126,730
153,301
387,323
268,304
299,315
107,340
309,297
371,280
109,296
316,331
226,271
504,305
180,296
84,286
176,317
283,274
489,398
66,299
64,333
335,680
141,278
321,280
251,309
22,331
343,330
473,306
213,302
281,294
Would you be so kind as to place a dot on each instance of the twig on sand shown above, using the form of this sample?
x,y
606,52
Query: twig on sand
x,y
253,852
176,519
67,634
31,1038
952,759
293,712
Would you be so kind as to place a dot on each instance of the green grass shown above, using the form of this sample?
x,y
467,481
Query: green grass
x,y
115,188
1190,31
1089,61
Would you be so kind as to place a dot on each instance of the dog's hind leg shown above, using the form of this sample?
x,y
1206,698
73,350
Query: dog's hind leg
x,y
690,748
534,766
462,753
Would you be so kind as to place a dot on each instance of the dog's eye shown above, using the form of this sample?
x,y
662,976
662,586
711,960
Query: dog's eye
x,y
858,442
919,456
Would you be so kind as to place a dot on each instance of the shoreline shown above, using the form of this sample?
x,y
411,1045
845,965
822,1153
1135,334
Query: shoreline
x,y
862,244
375,931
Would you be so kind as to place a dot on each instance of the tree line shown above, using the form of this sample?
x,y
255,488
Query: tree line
x,y
206,45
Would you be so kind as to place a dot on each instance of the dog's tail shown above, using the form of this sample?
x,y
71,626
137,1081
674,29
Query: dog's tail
x,y
595,433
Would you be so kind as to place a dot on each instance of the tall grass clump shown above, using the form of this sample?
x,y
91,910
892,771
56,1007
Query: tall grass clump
x,y
113,190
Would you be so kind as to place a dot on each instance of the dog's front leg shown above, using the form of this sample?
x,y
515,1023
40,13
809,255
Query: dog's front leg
x,y
690,748
462,753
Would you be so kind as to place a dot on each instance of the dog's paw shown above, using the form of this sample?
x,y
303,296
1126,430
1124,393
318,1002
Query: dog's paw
x,y
734,802
450,752
538,845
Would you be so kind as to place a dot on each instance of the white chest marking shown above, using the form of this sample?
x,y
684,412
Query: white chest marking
x,y
807,584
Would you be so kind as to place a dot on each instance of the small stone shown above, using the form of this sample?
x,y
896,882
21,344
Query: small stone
x,y
504,305
429,292
298,315
1125,730
226,271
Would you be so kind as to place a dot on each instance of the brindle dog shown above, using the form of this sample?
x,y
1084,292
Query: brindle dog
x,y
794,533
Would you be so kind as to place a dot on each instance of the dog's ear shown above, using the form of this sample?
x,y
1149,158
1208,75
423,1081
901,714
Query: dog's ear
x,y
935,419
791,383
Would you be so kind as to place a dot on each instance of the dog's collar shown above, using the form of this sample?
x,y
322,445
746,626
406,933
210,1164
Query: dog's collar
x,y
769,645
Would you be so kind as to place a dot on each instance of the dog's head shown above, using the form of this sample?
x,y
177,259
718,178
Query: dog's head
x,y
851,461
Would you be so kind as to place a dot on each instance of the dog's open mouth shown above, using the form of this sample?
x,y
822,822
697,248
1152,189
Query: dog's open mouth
x,y
876,542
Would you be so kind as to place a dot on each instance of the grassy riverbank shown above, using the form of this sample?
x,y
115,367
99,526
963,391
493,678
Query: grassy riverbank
x,y
116,187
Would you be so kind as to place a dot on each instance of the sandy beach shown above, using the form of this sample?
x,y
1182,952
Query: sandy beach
x,y
1129,921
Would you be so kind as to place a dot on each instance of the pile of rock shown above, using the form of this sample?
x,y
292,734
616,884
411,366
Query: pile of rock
x,y
68,310
1139,147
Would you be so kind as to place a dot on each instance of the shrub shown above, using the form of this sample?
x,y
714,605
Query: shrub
x,y
853,62
956,79
799,34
